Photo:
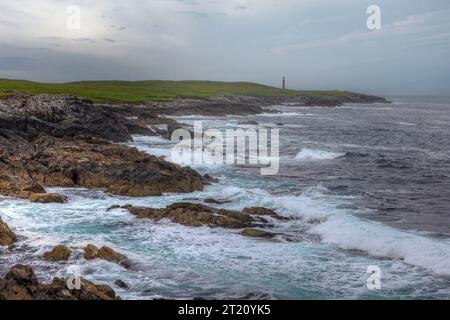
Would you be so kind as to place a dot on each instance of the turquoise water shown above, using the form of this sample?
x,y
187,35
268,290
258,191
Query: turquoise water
x,y
324,251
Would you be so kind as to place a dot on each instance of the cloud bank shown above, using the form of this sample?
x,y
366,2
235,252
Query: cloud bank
x,y
316,44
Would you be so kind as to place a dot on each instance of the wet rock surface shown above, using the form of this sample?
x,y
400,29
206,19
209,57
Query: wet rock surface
x,y
121,170
62,116
248,105
62,141
197,215
47,198
78,162
58,253
212,106
256,233
249,123
121,284
258,211
20,283
7,236
92,252
216,201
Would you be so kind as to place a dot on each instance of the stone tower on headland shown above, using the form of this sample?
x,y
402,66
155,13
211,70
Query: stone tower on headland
x,y
284,82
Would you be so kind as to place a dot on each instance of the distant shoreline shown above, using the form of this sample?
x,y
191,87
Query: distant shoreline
x,y
154,91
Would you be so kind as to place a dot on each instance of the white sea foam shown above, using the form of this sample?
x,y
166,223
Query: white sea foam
x,y
150,139
339,227
190,116
158,152
284,114
197,255
352,233
315,154
403,123
156,146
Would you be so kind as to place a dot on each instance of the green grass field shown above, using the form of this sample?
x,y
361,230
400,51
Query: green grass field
x,y
146,91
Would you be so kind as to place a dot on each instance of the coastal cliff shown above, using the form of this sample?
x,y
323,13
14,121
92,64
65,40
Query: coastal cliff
x,y
62,141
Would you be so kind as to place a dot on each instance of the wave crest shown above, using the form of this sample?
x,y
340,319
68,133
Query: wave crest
x,y
315,154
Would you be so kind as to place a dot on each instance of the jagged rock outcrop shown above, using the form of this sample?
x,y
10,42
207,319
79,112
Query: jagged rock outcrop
x,y
121,284
63,141
256,233
196,215
34,188
58,253
119,169
63,116
17,182
20,283
92,252
47,198
248,123
249,105
7,237
82,162
216,201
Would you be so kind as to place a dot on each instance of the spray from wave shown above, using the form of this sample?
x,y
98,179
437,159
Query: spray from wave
x,y
314,154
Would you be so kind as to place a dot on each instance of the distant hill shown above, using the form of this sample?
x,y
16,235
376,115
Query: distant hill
x,y
155,90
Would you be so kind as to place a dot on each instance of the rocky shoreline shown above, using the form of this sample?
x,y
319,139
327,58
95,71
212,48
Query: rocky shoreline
x,y
62,141
233,105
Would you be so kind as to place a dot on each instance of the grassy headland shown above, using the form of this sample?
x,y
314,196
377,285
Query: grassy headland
x,y
154,90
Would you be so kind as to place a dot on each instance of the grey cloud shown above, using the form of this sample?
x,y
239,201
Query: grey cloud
x,y
191,2
85,40
316,44
53,38
193,13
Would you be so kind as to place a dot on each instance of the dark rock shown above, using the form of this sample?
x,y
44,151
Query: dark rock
x,y
122,284
7,237
212,106
250,122
264,212
114,208
20,283
255,233
214,201
76,162
61,116
247,105
58,253
196,215
34,188
47,198
63,141
91,252
210,179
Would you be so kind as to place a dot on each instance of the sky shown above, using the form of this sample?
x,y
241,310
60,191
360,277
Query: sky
x,y
316,44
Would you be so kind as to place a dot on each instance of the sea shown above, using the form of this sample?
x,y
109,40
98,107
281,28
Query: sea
x,y
365,187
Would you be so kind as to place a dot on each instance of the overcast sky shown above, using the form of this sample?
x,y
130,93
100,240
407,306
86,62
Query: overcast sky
x,y
317,44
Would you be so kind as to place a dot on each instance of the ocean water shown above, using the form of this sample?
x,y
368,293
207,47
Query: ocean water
x,y
365,185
